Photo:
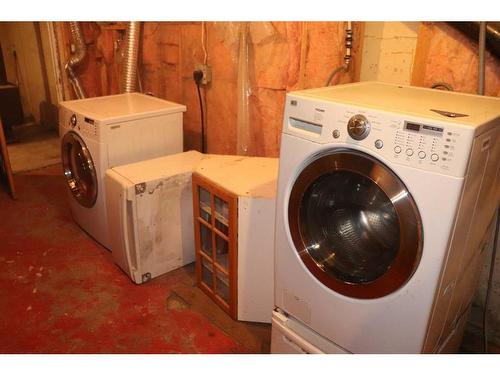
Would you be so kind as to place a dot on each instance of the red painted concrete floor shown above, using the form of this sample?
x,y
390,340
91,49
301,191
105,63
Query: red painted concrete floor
x,y
60,291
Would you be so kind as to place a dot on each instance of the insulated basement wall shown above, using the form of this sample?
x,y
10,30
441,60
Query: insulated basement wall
x,y
446,55
283,56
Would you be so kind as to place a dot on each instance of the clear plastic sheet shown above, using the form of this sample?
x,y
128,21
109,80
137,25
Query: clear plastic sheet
x,y
243,116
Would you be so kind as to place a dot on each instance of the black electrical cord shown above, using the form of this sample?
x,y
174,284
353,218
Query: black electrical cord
x,y
198,76
490,281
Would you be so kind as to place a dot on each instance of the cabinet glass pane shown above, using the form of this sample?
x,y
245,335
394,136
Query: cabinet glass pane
x,y
206,240
222,227
222,286
222,252
221,214
206,273
205,210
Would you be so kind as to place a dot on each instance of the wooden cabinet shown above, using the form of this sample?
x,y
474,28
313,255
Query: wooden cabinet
x,y
215,223
234,209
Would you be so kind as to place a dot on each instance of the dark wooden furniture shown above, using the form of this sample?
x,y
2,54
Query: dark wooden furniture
x,y
5,163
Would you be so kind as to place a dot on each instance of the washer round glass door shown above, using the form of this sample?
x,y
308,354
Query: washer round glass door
x,y
354,224
79,169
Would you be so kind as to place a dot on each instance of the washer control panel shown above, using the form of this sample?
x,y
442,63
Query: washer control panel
x,y
424,143
83,125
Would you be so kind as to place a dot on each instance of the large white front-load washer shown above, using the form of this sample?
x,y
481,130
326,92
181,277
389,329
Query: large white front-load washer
x,y
384,198
108,131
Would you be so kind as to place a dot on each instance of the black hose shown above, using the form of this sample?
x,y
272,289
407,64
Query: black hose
x,y
334,73
202,120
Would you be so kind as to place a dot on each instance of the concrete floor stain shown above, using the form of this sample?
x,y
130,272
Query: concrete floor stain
x,y
60,291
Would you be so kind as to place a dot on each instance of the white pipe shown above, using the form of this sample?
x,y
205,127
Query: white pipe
x,y
482,42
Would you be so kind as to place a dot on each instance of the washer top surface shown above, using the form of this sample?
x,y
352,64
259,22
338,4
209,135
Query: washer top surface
x,y
122,107
411,100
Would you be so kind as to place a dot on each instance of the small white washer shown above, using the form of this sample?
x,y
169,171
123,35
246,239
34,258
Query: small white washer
x,y
104,132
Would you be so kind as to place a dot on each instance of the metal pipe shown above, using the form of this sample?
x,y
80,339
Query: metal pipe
x,y
482,48
76,58
129,65
347,57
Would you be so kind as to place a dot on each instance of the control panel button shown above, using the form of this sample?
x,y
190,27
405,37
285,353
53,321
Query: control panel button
x,y
434,157
72,120
421,154
336,133
379,143
358,127
409,152
397,149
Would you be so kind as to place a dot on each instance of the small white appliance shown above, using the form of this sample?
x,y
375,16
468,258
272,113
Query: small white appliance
x,y
104,132
150,211
385,194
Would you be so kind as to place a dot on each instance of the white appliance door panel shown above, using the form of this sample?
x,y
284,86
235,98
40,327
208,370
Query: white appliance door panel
x,y
165,225
121,221
289,336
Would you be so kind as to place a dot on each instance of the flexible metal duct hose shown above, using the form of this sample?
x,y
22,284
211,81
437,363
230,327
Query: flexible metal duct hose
x,y
76,58
129,64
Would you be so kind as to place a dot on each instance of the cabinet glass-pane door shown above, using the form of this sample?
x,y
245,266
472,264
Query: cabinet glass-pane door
x,y
206,239
207,272
221,215
222,252
205,206
222,286
215,218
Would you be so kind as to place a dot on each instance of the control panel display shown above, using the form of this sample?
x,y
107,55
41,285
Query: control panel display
x,y
412,126
431,130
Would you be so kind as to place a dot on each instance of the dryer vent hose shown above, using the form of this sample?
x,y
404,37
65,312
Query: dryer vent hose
x,y
76,58
129,64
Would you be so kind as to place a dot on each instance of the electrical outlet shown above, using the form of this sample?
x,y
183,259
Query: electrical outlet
x,y
207,73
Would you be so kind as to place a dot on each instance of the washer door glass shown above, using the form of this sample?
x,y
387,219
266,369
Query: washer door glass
x,y
354,225
79,169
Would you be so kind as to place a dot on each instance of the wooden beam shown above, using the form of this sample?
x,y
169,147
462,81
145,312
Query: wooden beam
x,y
421,54
357,50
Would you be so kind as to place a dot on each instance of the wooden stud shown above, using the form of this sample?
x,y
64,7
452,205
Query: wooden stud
x,y
421,54
357,50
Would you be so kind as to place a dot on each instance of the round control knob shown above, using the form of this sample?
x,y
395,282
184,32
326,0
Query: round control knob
x,y
73,121
409,152
379,143
397,149
358,127
434,157
336,133
421,154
